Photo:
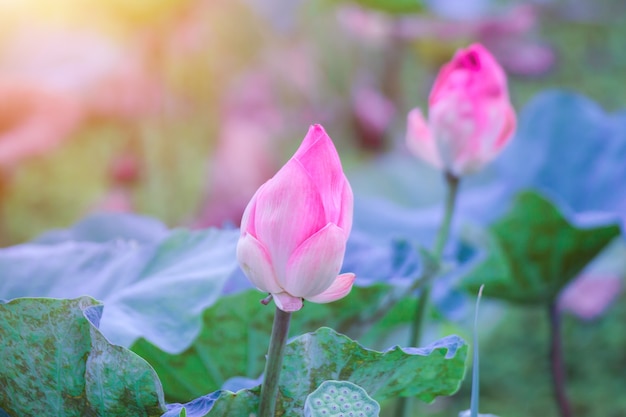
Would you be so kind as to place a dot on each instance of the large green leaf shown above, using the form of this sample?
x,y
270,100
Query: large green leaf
x,y
55,362
533,251
154,282
312,358
235,337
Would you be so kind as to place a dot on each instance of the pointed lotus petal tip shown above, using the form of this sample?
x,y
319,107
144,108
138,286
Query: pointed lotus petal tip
x,y
318,129
481,52
417,129
338,289
477,47
317,133
419,139
416,123
287,303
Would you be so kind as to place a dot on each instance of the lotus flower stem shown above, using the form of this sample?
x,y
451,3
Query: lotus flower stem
x,y
556,361
452,183
269,389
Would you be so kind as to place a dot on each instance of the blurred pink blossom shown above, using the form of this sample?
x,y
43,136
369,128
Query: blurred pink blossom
x,y
191,31
470,117
33,120
106,78
241,163
294,66
373,113
367,25
590,295
507,36
245,154
116,200
125,170
53,81
124,174
521,57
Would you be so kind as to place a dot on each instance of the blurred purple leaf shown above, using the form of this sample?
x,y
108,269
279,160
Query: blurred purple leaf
x,y
572,150
154,283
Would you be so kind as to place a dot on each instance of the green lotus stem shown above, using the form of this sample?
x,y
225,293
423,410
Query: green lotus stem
x,y
269,389
556,361
452,183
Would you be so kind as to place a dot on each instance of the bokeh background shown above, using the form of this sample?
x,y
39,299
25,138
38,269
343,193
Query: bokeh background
x,y
180,109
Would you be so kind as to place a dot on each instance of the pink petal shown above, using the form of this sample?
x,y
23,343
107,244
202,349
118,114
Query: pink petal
x,y
470,116
247,220
347,209
509,128
419,139
255,263
472,70
288,211
287,302
441,82
321,162
461,128
315,134
495,120
489,74
339,289
315,264
589,295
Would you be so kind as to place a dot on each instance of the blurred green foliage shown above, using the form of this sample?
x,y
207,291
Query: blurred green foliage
x,y
515,372
533,252
591,59
391,6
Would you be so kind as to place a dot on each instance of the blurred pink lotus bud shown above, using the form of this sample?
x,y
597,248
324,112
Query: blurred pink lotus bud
x,y
106,78
295,228
372,27
117,200
589,295
372,115
125,170
470,116
33,120
246,149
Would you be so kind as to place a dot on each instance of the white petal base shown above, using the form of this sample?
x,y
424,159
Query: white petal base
x,y
287,303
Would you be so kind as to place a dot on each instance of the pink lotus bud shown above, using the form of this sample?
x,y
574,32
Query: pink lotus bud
x,y
470,119
295,228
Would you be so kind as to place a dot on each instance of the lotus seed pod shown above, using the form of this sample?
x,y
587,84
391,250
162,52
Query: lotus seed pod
x,y
340,399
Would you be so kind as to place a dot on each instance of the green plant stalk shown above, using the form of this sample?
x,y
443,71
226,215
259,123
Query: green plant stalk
x,y
452,183
269,389
556,361
476,361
